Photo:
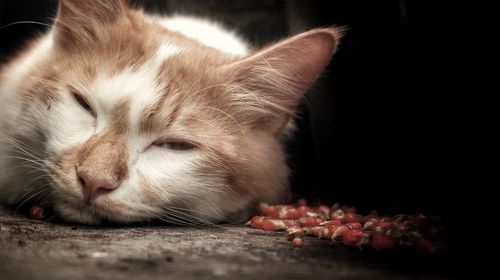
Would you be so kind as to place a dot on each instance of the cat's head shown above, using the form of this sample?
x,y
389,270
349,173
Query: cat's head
x,y
138,122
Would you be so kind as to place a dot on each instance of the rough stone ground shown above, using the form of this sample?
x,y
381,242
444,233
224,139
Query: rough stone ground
x,y
38,250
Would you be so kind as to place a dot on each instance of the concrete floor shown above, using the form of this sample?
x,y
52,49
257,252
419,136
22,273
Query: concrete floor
x,y
38,250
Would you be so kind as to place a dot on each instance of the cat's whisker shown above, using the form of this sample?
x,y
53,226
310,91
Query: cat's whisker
x,y
51,217
19,146
34,169
24,148
31,22
25,159
169,219
29,198
40,178
53,178
185,212
26,193
172,216
179,217
175,221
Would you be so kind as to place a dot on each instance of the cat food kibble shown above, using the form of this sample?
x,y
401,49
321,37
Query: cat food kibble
x,y
342,225
352,237
298,242
36,213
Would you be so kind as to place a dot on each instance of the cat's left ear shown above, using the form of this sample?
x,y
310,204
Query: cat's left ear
x,y
271,82
80,21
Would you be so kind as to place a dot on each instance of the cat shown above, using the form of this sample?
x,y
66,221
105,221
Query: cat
x,y
117,115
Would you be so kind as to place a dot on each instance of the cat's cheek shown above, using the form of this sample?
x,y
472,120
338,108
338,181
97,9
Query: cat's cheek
x,y
150,193
219,198
263,173
176,179
66,127
64,169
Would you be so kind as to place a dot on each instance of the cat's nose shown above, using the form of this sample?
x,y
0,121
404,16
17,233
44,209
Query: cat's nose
x,y
94,186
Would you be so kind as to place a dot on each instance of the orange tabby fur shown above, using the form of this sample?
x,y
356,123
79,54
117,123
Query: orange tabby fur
x,y
234,109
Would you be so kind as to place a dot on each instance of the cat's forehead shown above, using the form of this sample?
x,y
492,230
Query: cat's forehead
x,y
157,72
150,42
174,81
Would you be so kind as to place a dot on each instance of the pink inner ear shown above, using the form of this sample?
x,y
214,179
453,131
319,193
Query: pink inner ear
x,y
278,76
283,72
320,48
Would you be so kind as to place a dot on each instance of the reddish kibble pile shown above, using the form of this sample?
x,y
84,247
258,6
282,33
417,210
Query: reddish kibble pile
x,y
343,225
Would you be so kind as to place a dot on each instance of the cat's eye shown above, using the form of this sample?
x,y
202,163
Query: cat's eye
x,y
175,145
83,103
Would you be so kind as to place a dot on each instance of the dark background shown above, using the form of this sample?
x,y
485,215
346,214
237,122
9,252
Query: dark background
x,y
378,131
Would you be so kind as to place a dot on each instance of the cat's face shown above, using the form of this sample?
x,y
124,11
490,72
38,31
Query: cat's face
x,y
138,122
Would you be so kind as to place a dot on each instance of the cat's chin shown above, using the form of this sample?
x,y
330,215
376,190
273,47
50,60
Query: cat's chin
x,y
89,214
80,215
98,214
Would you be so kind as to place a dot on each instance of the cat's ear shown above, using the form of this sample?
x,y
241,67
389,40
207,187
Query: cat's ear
x,y
79,21
271,82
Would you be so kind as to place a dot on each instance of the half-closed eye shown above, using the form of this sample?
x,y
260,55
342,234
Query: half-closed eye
x,y
175,145
83,103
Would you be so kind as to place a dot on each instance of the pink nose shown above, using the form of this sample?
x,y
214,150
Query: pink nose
x,y
94,186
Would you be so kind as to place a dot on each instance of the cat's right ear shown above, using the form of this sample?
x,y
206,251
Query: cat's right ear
x,y
270,83
80,21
